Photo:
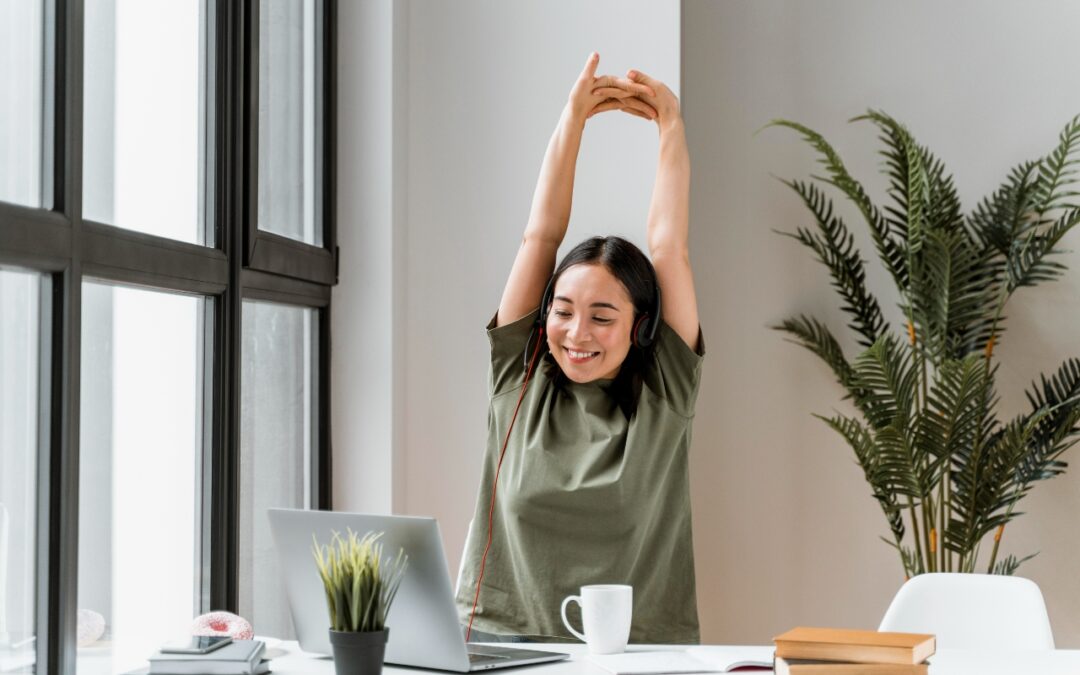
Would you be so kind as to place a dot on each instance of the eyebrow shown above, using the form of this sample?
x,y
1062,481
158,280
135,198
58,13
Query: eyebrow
x,y
608,305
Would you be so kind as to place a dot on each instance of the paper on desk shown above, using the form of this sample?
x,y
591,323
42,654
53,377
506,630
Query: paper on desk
x,y
693,660
726,659
650,663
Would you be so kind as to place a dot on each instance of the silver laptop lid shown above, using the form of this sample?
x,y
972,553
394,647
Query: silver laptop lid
x,y
423,622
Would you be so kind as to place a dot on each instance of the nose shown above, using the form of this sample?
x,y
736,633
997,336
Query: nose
x,y
578,330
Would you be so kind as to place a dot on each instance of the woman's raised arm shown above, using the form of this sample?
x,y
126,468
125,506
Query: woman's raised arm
x,y
669,214
550,213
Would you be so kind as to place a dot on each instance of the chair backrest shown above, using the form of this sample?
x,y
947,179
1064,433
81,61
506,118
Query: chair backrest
x,y
972,611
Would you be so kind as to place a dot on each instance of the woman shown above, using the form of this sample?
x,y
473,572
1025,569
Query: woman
x,y
593,485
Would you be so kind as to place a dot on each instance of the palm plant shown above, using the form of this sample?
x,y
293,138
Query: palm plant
x,y
939,462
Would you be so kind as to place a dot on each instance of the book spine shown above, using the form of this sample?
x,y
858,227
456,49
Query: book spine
x,y
848,653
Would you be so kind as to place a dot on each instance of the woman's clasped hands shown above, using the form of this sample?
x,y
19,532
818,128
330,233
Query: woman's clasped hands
x,y
636,94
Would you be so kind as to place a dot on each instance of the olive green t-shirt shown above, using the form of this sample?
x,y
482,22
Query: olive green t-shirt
x,y
587,494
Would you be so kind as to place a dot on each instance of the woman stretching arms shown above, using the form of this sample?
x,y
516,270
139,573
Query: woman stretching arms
x,y
593,485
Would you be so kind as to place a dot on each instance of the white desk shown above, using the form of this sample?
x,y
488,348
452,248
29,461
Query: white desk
x,y
945,662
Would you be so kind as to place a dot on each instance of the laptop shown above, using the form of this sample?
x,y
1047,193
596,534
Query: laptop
x,y
423,620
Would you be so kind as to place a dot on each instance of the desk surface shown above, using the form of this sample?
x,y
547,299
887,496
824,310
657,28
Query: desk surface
x,y
945,662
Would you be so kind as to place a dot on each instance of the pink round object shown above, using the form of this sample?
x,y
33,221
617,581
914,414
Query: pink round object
x,y
223,623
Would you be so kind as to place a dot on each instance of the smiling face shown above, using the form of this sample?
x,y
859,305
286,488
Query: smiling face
x,y
588,327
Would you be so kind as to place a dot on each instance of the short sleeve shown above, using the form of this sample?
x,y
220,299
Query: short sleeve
x,y
508,352
675,372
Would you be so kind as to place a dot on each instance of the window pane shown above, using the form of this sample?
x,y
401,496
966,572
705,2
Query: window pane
x,y
143,116
277,438
20,375
139,468
21,87
287,110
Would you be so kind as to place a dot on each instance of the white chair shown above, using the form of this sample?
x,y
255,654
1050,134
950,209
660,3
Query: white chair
x,y
972,611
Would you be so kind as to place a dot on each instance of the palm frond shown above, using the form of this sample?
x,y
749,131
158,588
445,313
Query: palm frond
x,y
1056,407
955,414
1001,218
985,488
1009,564
908,558
892,252
944,211
1027,261
1057,171
910,169
900,463
877,476
816,336
835,248
886,378
953,304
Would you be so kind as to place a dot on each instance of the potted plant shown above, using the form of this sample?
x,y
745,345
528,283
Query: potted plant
x,y
941,464
360,587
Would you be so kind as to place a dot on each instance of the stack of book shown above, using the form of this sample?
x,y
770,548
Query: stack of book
x,y
239,657
829,651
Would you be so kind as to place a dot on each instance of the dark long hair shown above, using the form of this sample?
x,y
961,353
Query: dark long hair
x,y
632,268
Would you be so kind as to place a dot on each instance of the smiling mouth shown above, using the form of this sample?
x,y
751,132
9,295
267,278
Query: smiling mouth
x,y
580,357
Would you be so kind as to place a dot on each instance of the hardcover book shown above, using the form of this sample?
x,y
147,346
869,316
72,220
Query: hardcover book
x,y
784,666
857,646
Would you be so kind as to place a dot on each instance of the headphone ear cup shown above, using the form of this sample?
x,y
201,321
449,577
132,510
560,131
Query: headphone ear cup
x,y
640,335
644,332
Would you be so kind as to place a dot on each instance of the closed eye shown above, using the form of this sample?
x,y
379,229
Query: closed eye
x,y
562,314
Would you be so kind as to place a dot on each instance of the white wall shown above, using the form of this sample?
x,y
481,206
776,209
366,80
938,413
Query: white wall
x,y
487,82
985,85
444,113
365,344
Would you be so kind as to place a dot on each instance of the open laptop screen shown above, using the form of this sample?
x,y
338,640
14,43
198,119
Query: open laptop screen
x,y
423,623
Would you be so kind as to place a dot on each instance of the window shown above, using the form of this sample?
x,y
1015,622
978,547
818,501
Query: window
x,y
21,375
291,228
143,116
287,119
21,88
278,434
143,434
140,461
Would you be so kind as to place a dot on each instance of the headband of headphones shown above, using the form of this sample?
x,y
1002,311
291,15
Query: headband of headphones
x,y
642,335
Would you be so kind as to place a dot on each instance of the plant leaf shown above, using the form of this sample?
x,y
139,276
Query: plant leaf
x,y
835,248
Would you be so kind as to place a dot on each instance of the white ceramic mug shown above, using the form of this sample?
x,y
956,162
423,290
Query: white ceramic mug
x,y
606,610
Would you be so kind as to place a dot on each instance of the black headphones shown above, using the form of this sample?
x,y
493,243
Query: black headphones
x,y
642,335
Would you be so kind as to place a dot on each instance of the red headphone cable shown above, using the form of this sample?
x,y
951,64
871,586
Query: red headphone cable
x,y
498,468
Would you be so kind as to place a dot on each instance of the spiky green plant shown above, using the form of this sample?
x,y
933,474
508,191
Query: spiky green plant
x,y
938,460
360,586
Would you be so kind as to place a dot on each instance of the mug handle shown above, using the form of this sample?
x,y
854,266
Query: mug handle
x,y
566,622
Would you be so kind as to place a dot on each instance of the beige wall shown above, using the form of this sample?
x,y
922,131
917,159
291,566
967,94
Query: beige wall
x,y
786,531
445,110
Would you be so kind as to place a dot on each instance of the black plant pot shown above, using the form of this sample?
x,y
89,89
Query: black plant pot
x,y
359,653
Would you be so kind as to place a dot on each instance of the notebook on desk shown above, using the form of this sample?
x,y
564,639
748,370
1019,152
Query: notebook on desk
x,y
423,622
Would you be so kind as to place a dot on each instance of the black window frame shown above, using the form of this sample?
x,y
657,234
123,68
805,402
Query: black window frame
x,y
267,251
244,263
